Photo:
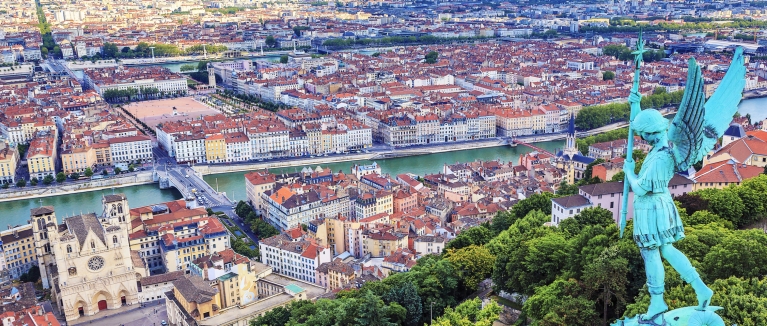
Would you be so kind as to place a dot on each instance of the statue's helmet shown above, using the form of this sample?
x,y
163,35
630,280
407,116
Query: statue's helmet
x,y
649,121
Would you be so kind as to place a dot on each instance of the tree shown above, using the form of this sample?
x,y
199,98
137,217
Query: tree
x,y
741,255
470,312
726,204
284,58
372,311
473,264
44,52
566,189
202,66
110,50
118,170
88,172
209,210
131,168
60,177
21,183
188,67
431,57
608,75
104,173
478,235
32,275
563,302
48,179
541,201
276,316
34,181
406,295
270,41
74,176
587,174
608,276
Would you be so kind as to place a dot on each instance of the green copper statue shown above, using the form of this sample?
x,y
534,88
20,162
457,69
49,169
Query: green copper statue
x,y
675,147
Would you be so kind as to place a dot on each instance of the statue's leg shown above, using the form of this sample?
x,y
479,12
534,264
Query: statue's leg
x,y
653,267
688,273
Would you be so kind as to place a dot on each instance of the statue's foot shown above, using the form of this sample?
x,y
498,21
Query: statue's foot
x,y
703,293
657,307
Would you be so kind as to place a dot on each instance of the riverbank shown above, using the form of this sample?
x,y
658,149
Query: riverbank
x,y
755,94
324,160
66,189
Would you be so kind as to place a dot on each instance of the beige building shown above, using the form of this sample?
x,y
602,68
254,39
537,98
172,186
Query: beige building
x,y
256,183
18,250
332,232
41,157
215,148
86,260
230,289
77,159
382,244
9,160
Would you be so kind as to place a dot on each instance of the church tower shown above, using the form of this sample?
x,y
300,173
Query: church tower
x,y
571,148
116,210
40,218
211,76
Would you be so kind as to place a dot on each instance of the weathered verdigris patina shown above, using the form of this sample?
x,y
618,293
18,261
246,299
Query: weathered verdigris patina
x,y
675,147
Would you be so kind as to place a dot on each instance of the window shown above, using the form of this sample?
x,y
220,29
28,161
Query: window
x,y
114,239
69,249
93,245
611,204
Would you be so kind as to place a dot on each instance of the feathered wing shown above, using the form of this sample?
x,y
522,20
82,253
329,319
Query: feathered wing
x,y
699,123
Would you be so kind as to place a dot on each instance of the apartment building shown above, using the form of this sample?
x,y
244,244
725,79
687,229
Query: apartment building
x,y
42,156
373,203
335,274
382,243
18,250
256,184
9,160
215,148
289,254
77,159
190,148
130,149
169,236
139,78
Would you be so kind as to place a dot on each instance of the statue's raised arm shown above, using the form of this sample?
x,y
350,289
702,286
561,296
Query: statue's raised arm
x,y
699,123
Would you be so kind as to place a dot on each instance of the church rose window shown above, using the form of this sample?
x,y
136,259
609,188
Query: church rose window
x,y
95,263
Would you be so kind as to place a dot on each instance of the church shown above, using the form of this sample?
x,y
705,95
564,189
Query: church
x,y
86,260
570,159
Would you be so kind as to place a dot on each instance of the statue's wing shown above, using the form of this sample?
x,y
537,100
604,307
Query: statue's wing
x,y
699,123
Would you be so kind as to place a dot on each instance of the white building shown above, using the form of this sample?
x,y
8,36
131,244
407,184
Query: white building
x,y
130,149
293,256
189,148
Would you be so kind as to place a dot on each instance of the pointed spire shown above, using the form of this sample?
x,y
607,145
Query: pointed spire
x,y
571,126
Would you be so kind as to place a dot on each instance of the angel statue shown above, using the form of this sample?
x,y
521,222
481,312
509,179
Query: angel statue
x,y
676,147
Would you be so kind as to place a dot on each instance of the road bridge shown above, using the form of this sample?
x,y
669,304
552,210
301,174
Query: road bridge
x,y
191,185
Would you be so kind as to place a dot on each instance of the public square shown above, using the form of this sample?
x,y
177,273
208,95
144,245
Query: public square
x,y
159,111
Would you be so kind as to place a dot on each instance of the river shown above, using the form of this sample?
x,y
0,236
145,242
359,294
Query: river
x,y
17,212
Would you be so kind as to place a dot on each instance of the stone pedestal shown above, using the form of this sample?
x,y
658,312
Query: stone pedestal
x,y
687,316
